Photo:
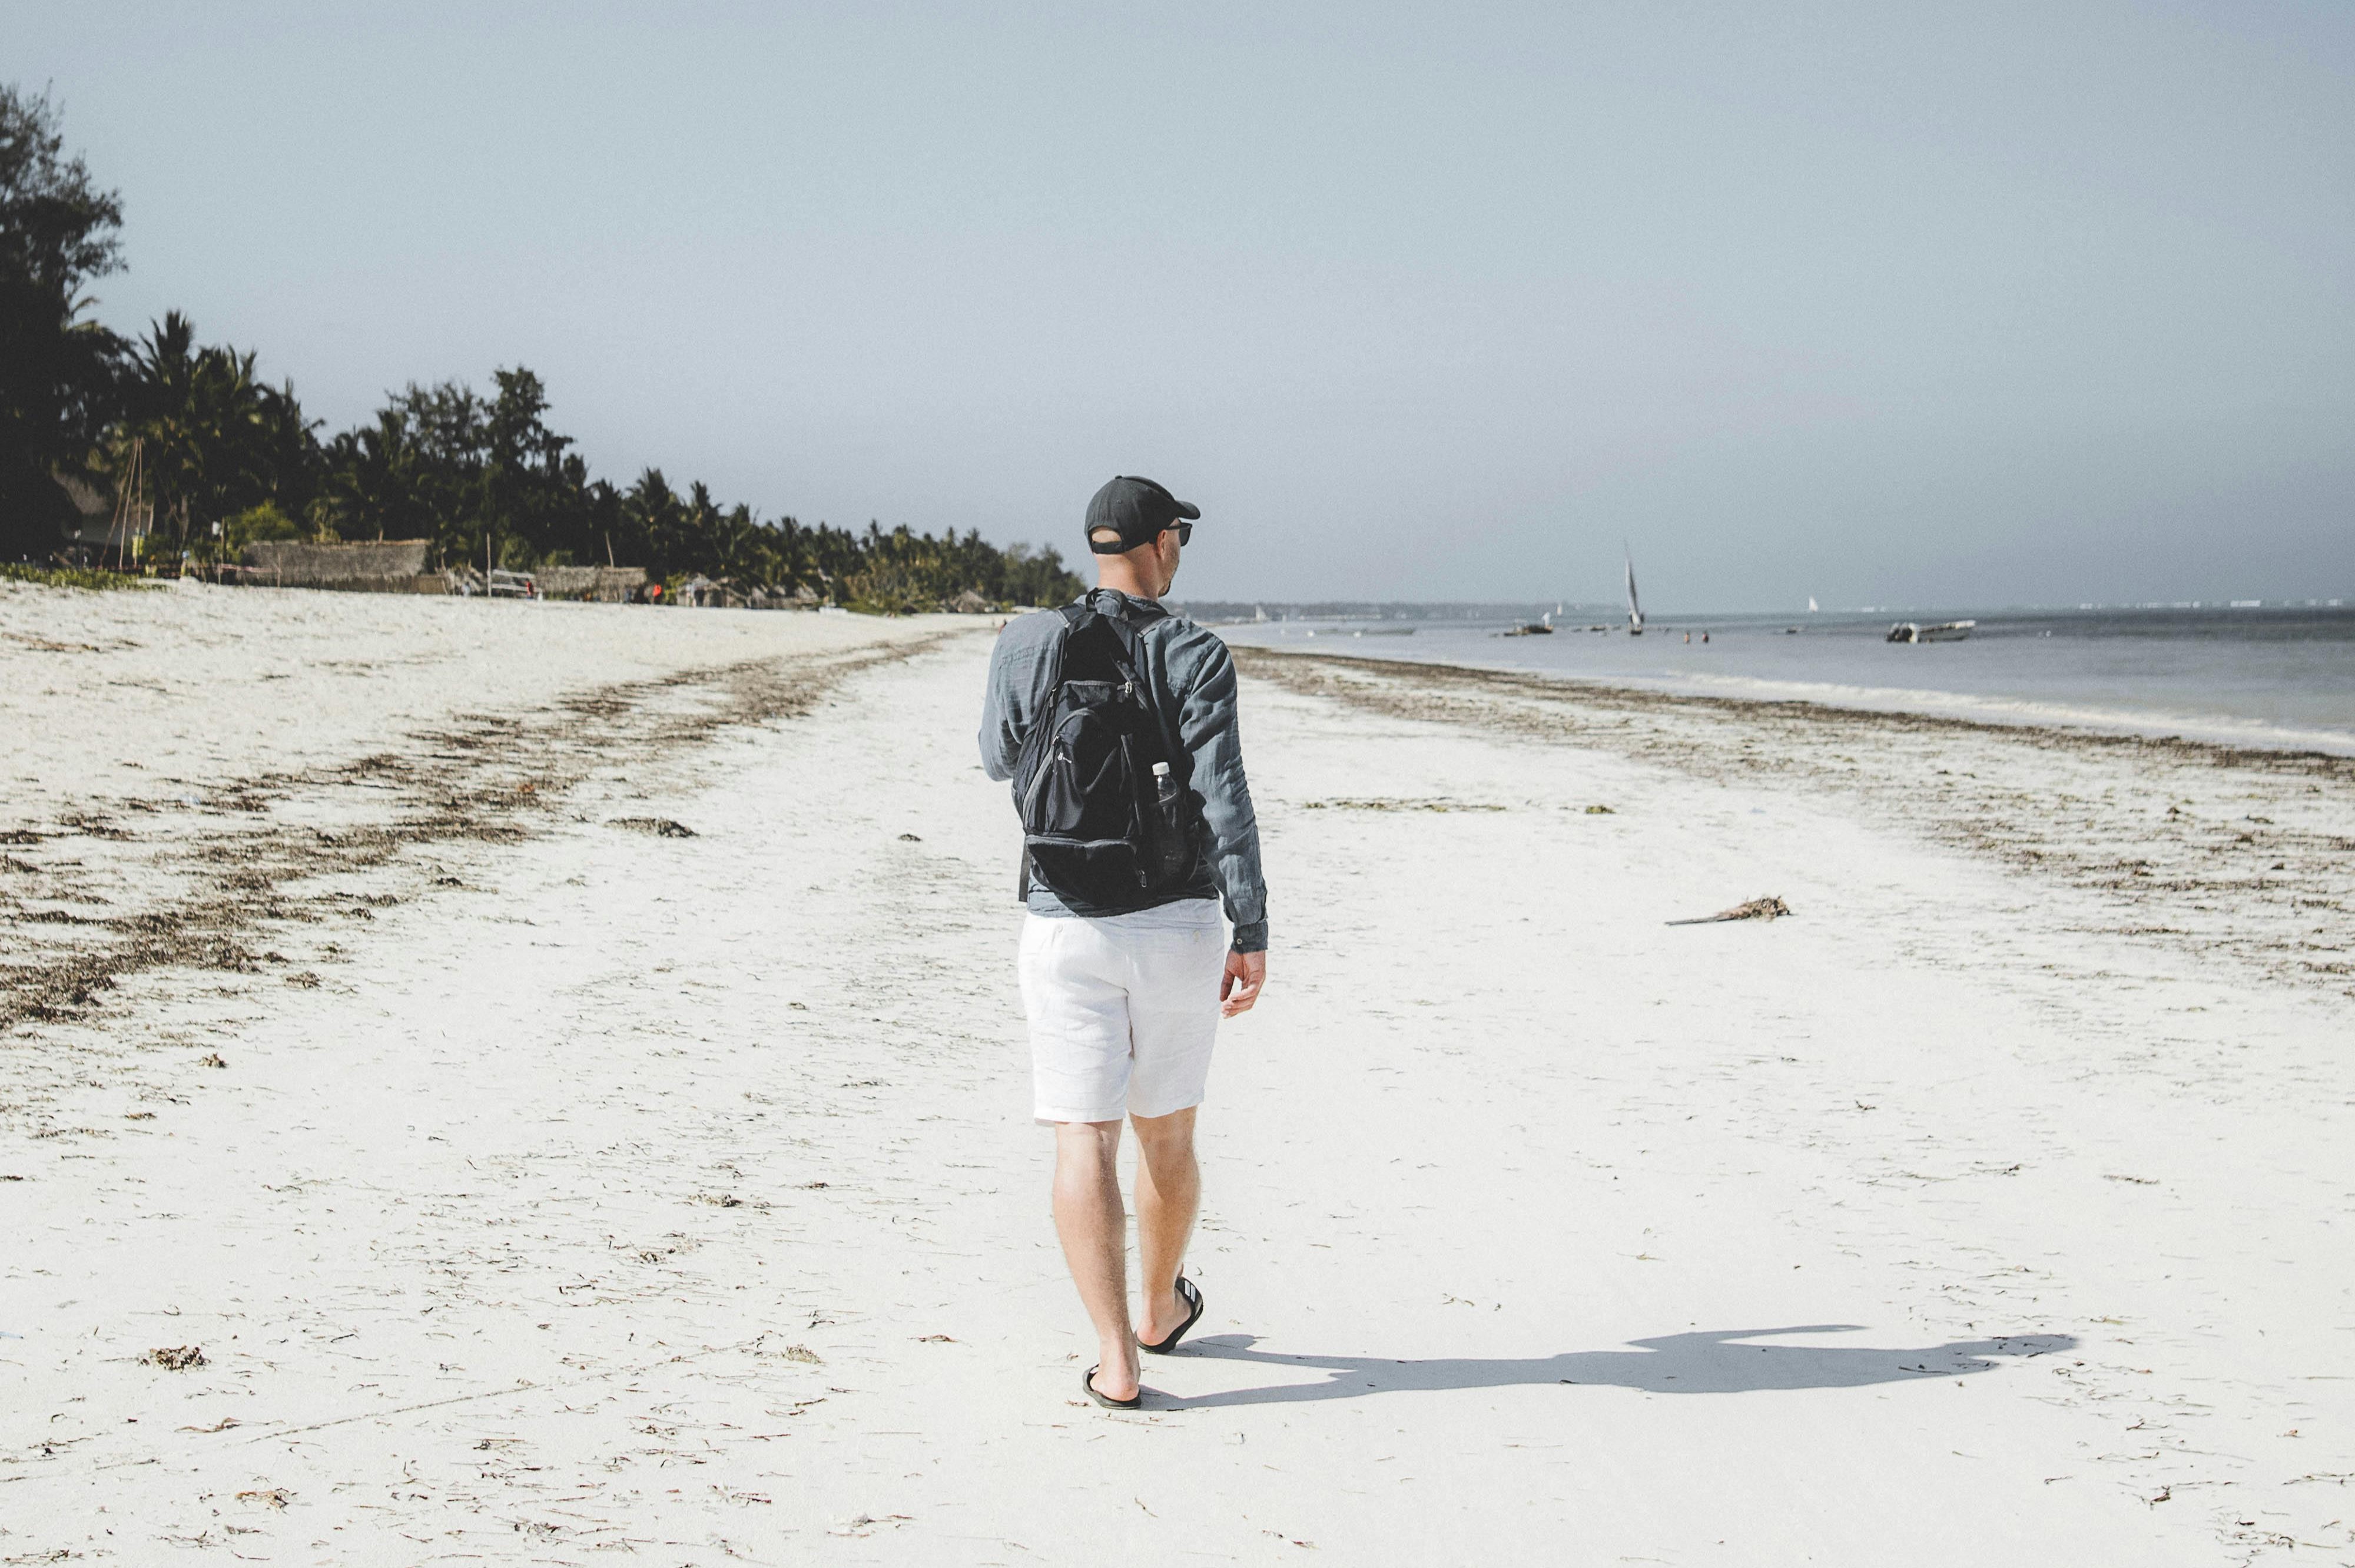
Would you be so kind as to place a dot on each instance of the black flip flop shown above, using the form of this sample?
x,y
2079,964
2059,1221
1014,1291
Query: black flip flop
x,y
1088,1382
1187,1293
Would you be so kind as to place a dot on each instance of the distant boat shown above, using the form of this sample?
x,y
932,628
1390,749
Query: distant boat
x,y
1541,627
1944,631
1635,608
1812,610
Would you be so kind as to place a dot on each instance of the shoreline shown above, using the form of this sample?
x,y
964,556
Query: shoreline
x,y
2156,716
2217,849
2227,753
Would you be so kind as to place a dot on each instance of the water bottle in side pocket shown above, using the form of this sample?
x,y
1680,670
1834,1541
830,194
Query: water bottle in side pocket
x,y
1173,844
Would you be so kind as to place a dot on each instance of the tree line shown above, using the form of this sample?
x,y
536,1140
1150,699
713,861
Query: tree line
x,y
218,457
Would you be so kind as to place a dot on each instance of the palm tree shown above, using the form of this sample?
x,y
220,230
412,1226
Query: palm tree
x,y
216,440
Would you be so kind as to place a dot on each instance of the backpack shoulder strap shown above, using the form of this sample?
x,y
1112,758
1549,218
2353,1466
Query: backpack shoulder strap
x,y
1130,662
1074,615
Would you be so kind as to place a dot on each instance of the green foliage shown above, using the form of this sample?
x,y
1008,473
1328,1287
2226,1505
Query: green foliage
x,y
57,227
57,370
257,524
486,478
69,577
1039,579
900,572
215,442
885,591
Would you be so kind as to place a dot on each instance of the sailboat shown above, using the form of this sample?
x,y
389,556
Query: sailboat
x,y
1635,608
1811,605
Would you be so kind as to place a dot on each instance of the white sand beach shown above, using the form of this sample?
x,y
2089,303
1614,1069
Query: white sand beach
x,y
540,1190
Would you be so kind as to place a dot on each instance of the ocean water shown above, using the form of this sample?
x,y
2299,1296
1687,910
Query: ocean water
x,y
2276,677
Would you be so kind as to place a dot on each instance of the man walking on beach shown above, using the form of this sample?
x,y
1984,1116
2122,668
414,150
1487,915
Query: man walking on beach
x,y
1116,719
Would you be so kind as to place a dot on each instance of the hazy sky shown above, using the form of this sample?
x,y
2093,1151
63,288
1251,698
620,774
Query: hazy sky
x,y
1979,304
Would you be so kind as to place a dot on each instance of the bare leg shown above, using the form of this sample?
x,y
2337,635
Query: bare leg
x,y
1168,1191
1094,1231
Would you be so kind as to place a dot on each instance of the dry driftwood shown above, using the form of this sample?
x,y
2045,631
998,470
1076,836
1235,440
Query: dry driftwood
x,y
1757,908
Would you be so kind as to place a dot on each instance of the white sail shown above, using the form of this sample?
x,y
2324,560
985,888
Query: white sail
x,y
1635,608
1811,604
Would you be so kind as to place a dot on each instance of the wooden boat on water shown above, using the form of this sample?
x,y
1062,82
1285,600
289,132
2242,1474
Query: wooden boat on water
x,y
1944,631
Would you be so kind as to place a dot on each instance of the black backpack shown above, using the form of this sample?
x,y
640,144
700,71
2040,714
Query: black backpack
x,y
1103,827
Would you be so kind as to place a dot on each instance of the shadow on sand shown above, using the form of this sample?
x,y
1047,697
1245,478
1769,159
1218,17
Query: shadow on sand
x,y
1711,1361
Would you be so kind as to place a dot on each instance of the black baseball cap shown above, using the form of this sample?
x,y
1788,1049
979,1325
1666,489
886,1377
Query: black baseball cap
x,y
1139,509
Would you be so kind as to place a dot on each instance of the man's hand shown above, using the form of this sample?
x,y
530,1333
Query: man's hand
x,y
1238,987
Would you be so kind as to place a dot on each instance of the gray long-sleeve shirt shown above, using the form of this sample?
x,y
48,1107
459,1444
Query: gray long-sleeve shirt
x,y
1192,677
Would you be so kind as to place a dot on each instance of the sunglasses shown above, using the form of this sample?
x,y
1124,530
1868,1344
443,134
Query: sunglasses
x,y
1185,533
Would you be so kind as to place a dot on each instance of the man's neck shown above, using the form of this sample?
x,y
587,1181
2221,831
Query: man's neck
x,y
1117,575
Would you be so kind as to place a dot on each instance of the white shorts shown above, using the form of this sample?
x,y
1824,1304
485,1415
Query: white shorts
x,y
1122,1010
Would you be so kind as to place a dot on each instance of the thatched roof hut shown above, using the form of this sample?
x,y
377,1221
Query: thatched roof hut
x,y
606,584
378,566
